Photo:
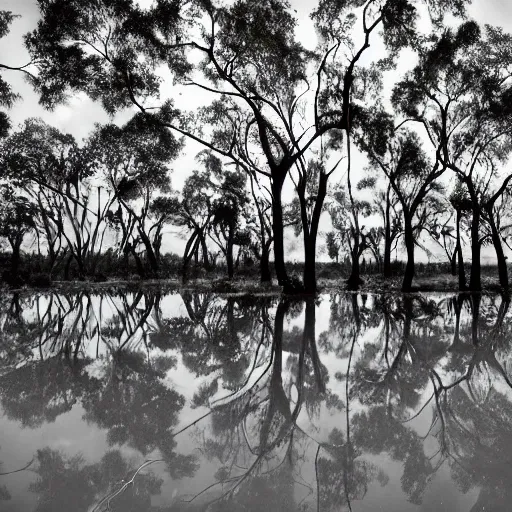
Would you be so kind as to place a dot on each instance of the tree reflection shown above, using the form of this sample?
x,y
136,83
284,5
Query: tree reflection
x,y
125,395
70,483
138,410
39,392
289,418
255,434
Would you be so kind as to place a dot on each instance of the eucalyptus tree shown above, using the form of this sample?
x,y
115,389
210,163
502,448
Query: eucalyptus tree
x,y
443,231
347,91
311,188
260,227
129,43
16,221
33,160
134,161
462,206
400,156
51,168
458,93
193,210
229,199
387,204
346,214
333,246
113,51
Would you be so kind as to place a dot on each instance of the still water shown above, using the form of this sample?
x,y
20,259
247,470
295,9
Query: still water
x,y
150,402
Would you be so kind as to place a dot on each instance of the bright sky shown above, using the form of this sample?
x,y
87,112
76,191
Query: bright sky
x,y
80,114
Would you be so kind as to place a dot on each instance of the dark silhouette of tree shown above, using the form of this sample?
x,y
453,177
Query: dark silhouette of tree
x,y
450,93
16,221
227,229
253,65
355,237
55,173
410,173
260,227
311,187
134,161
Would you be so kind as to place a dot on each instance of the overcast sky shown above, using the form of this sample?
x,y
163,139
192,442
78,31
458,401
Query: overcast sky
x,y
80,114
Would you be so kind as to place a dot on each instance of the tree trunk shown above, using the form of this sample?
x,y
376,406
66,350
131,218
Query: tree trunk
x,y
387,240
453,263
475,280
278,230
15,257
150,254
187,255
500,255
265,275
460,259
311,234
138,262
354,280
229,258
204,250
67,267
309,276
409,245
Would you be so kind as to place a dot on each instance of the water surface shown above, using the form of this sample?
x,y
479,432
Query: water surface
x,y
151,402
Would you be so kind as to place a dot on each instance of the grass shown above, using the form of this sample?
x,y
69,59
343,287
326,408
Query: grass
x,y
330,277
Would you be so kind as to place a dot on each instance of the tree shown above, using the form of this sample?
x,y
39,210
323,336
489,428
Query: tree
x,y
227,229
410,172
311,187
344,211
347,93
387,204
454,93
193,210
333,246
134,159
260,227
251,57
462,205
58,176
16,221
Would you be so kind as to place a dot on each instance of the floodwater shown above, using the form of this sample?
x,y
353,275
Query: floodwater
x,y
143,401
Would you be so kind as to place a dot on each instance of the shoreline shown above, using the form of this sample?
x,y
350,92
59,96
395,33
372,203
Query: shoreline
x,y
443,283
